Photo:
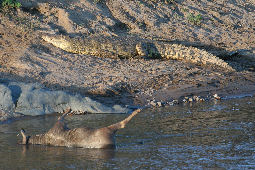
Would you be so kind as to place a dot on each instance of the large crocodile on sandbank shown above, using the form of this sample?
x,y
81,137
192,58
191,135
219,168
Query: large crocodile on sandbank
x,y
130,47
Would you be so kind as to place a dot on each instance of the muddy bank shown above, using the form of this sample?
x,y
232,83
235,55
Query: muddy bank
x,y
225,29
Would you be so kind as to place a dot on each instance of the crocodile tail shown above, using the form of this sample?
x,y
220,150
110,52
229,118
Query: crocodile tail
x,y
123,123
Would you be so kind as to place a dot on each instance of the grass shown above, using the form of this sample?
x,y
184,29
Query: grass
x,y
195,19
97,1
10,4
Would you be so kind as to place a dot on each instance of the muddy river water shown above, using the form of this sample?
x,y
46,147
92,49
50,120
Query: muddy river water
x,y
218,134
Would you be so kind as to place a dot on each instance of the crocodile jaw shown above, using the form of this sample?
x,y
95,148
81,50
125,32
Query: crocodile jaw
x,y
58,41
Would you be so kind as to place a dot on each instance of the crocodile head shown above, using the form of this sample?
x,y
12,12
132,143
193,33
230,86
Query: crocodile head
x,y
58,41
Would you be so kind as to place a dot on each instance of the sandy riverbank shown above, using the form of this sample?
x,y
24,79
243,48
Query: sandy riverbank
x,y
224,28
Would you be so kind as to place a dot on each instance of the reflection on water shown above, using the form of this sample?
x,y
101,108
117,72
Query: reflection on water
x,y
206,135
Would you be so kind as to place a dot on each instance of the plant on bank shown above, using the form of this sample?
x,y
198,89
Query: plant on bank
x,y
10,4
195,19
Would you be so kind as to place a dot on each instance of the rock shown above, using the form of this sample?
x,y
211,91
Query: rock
x,y
153,103
193,99
7,115
33,99
201,100
196,98
216,96
159,104
6,98
184,100
173,102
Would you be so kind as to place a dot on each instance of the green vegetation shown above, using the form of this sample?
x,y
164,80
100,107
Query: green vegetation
x,y
169,1
164,1
97,1
10,4
195,19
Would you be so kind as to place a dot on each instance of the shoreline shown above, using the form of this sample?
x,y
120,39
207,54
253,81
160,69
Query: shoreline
x,y
8,117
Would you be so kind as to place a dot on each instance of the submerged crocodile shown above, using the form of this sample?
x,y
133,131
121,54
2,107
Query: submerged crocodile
x,y
130,47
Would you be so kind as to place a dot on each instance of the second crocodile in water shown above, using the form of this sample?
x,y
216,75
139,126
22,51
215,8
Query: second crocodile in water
x,y
130,47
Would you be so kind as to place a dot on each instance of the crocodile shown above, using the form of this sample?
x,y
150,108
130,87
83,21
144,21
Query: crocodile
x,y
131,47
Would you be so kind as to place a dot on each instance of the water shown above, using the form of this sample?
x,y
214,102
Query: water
x,y
207,135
